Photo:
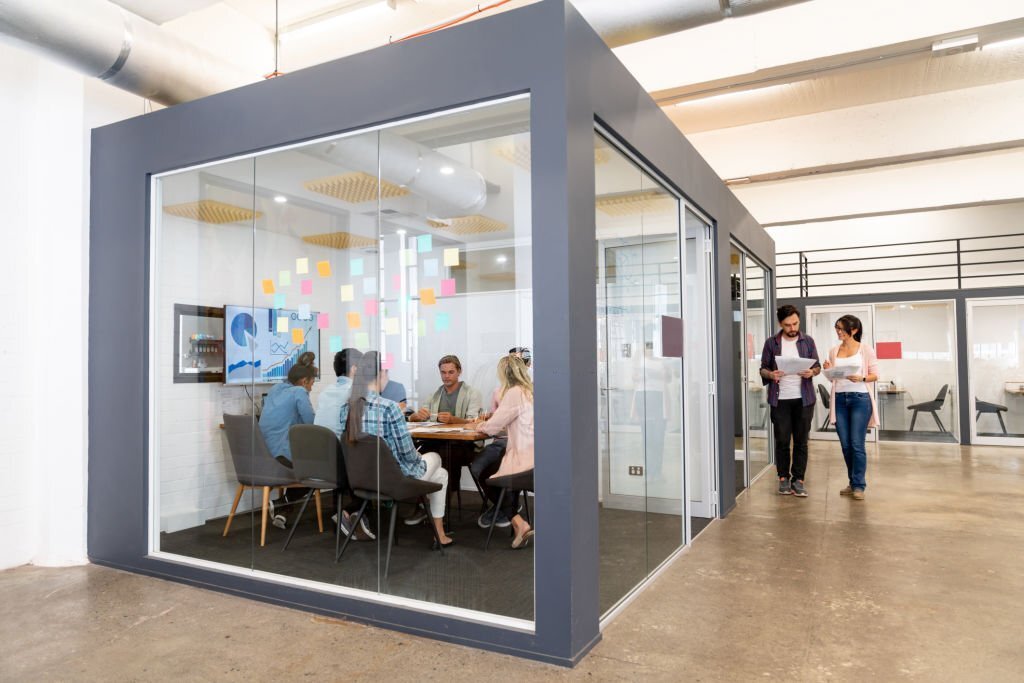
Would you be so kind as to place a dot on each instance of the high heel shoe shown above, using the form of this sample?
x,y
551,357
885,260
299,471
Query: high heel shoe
x,y
438,546
522,541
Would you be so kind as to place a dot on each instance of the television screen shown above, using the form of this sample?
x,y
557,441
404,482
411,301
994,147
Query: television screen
x,y
261,344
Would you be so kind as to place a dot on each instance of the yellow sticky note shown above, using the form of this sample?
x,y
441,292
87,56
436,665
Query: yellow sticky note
x,y
451,256
297,336
284,278
323,268
354,321
268,286
347,293
390,325
282,325
427,297
302,266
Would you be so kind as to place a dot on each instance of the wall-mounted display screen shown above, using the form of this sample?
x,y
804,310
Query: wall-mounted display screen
x,y
262,344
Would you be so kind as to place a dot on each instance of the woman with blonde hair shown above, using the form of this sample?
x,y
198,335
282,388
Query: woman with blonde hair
x,y
514,416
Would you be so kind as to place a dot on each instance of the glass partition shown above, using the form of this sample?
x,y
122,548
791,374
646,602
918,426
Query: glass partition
x,y
741,362
758,326
347,269
996,339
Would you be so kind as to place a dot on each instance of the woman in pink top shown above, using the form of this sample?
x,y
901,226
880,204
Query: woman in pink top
x,y
515,416
853,401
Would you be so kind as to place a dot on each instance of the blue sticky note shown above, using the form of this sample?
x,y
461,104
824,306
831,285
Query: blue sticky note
x,y
369,285
355,266
430,267
279,301
441,322
424,243
335,343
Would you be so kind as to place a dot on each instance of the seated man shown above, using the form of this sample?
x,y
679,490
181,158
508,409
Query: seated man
x,y
367,412
393,391
287,404
454,402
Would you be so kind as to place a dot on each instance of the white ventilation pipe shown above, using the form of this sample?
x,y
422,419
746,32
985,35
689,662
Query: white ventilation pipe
x,y
453,189
100,39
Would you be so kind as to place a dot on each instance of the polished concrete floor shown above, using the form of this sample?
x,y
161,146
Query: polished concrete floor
x,y
922,581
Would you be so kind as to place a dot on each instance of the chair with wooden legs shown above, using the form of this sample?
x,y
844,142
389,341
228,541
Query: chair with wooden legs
x,y
255,468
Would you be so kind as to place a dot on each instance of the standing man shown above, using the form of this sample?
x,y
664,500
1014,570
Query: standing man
x,y
791,398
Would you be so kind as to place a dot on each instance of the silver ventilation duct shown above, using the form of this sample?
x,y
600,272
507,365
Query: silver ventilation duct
x,y
100,39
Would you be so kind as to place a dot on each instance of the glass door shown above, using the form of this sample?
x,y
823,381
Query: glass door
x,y
757,327
820,324
740,353
995,329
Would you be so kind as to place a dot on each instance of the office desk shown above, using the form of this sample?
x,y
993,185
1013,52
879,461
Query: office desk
x,y
889,396
447,435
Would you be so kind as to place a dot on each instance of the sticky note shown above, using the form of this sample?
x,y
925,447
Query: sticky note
x,y
424,243
284,278
268,286
355,267
323,268
427,297
282,325
369,285
335,343
410,257
323,321
447,287
306,287
354,321
370,307
304,312
391,326
421,328
430,267
347,293
298,336
302,266
279,301
362,340
389,361
451,257
396,282
442,322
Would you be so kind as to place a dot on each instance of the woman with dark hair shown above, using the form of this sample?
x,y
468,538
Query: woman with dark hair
x,y
367,412
853,402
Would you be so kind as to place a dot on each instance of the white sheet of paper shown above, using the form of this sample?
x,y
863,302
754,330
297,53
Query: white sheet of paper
x,y
838,372
793,366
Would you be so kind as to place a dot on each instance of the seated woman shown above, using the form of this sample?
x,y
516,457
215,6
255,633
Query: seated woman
x,y
367,412
514,415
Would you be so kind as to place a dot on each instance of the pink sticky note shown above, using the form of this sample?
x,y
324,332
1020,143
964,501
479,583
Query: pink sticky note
x,y
396,281
370,307
307,287
322,321
447,287
389,361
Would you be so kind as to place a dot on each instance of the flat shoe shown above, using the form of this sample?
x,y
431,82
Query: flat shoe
x,y
522,541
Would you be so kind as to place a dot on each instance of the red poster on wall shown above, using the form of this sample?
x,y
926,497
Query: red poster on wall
x,y
889,350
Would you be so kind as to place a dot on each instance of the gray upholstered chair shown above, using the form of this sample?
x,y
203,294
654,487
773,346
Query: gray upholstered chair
x,y
255,467
316,455
374,475
932,407
826,401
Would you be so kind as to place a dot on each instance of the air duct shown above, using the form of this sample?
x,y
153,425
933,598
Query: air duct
x,y
100,39
451,188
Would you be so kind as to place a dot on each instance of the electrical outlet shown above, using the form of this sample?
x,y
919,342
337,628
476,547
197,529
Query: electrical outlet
x,y
636,470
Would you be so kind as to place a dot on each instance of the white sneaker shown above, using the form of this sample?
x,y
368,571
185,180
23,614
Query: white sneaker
x,y
280,522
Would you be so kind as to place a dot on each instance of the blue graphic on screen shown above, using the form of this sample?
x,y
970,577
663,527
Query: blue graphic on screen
x,y
254,352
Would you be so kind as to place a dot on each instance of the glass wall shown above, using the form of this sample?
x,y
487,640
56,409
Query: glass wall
x,y
996,340
740,360
639,339
398,247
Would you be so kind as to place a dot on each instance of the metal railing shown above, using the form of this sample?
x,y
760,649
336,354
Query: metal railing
x,y
956,263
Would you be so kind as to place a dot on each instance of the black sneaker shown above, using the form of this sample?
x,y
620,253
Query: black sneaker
x,y
798,489
785,488
416,517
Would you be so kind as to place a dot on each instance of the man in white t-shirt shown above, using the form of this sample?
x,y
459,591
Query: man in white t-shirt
x,y
791,397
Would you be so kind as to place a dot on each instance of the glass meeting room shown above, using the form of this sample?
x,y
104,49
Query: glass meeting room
x,y
995,337
403,246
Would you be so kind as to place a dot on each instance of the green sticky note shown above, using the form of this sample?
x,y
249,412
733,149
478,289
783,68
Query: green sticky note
x,y
362,340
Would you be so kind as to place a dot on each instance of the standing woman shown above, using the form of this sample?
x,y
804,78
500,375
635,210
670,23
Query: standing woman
x,y
853,403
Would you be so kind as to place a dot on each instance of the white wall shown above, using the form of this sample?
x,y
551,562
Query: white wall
x,y
46,112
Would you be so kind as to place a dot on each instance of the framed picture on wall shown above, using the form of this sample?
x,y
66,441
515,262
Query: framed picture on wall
x,y
198,344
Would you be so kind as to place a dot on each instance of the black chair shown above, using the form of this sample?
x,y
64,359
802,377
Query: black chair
x,y
316,458
521,482
374,474
826,400
932,407
255,467
986,407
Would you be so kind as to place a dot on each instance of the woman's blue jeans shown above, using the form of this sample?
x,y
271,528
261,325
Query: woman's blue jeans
x,y
853,412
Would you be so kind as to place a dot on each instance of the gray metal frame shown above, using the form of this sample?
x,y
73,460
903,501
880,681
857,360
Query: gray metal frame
x,y
545,49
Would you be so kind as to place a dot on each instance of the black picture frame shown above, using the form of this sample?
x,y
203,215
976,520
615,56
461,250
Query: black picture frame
x,y
211,349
